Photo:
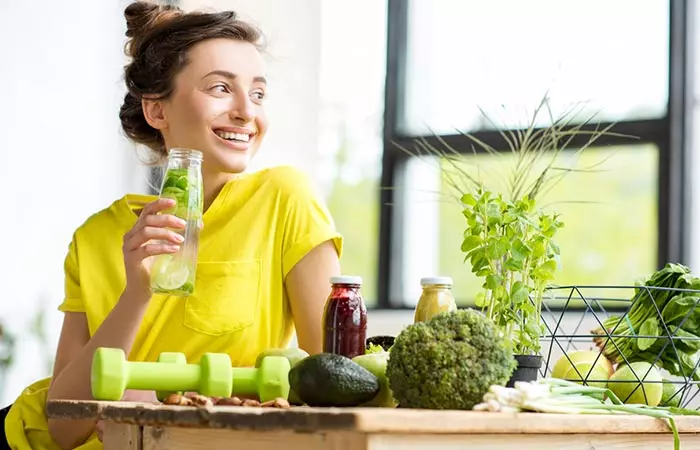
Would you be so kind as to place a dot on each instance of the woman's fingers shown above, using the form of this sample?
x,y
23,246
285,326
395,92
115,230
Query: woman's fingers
x,y
147,250
164,220
150,211
150,233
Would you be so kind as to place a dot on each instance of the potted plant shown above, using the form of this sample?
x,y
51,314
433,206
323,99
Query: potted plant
x,y
509,236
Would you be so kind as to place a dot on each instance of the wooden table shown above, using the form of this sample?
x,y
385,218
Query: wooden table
x,y
138,426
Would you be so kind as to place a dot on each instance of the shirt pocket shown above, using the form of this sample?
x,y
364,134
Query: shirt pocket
x,y
225,298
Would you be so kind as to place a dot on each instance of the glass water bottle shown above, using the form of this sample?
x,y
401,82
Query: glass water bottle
x,y
174,274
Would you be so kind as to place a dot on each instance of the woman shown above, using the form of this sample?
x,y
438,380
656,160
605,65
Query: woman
x,y
267,248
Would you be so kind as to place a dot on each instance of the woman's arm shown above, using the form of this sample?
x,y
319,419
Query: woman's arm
x,y
118,330
308,287
74,360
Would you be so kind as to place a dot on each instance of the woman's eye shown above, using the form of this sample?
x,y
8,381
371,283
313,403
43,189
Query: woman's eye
x,y
258,95
220,88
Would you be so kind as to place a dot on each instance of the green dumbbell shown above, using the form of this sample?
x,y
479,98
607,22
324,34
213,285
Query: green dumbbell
x,y
269,381
174,358
112,374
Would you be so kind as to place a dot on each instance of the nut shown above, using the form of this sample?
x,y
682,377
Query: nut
x,y
279,402
201,400
177,399
229,401
250,402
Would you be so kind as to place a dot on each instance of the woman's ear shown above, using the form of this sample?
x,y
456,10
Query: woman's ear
x,y
154,112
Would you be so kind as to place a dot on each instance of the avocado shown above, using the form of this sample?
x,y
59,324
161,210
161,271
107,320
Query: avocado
x,y
294,355
327,379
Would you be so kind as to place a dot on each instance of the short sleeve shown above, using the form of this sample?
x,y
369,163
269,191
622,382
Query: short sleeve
x,y
73,300
308,222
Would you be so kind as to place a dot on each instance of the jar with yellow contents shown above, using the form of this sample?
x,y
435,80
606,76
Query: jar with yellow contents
x,y
435,298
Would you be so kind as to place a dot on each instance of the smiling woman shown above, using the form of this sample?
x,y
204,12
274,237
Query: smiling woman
x,y
266,253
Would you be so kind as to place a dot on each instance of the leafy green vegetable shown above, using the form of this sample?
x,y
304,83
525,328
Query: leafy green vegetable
x,y
448,362
661,325
374,348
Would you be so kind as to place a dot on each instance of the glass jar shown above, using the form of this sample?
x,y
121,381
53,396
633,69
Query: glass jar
x,y
345,318
435,298
174,274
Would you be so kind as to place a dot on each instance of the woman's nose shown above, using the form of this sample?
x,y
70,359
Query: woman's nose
x,y
243,109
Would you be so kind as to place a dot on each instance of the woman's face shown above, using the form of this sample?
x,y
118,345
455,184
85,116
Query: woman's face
x,y
217,105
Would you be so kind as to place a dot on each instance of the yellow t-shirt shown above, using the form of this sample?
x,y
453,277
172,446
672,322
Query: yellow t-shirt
x,y
255,231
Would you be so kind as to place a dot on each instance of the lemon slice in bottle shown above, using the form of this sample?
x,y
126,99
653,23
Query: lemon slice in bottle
x,y
171,273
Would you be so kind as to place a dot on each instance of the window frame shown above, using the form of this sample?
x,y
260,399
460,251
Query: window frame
x,y
669,133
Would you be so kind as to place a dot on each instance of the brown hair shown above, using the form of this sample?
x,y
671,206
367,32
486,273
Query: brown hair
x,y
160,37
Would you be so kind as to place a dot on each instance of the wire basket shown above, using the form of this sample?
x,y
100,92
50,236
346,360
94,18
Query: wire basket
x,y
605,319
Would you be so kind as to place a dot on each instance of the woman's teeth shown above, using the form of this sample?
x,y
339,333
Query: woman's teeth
x,y
242,137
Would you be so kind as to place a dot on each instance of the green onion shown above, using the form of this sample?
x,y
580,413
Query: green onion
x,y
556,396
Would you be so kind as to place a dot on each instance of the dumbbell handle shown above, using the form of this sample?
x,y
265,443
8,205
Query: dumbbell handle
x,y
245,380
163,376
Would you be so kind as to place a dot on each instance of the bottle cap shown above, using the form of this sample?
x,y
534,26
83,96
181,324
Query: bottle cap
x,y
346,279
430,281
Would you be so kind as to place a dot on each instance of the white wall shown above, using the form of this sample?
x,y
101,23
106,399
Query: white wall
x,y
63,155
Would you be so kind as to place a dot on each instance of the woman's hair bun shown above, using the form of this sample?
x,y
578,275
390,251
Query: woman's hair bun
x,y
141,18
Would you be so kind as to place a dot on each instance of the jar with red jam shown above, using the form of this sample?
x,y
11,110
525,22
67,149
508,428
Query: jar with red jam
x,y
345,318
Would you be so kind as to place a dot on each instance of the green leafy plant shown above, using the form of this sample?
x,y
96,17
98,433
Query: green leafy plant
x,y
511,245
509,236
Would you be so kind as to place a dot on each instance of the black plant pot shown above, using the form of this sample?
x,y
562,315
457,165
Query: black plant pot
x,y
527,370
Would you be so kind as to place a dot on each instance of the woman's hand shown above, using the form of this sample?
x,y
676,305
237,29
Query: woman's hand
x,y
139,246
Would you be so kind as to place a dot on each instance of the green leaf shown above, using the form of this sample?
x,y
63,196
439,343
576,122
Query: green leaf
x,y
518,293
497,249
649,328
538,249
519,251
478,260
554,248
534,329
480,300
545,271
493,211
679,307
468,199
513,265
493,281
471,242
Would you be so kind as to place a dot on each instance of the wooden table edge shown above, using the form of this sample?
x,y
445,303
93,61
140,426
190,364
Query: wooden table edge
x,y
363,420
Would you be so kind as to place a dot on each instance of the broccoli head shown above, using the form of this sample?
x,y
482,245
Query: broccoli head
x,y
448,362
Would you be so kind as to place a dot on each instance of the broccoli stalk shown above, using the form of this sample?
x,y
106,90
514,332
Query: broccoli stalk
x,y
448,362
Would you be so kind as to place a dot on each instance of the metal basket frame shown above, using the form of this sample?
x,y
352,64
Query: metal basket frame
x,y
593,308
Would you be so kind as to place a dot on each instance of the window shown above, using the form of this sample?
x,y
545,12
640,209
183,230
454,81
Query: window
x,y
610,231
352,107
452,64
462,55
